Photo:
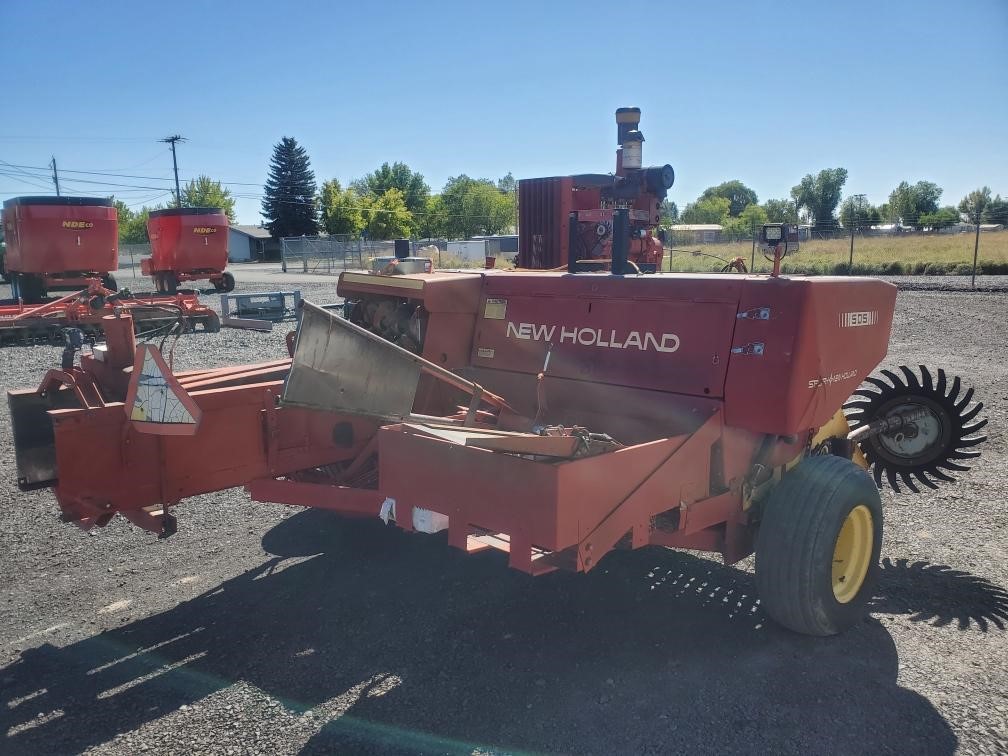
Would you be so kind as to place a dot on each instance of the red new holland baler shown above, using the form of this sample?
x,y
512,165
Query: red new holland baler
x,y
59,243
554,416
187,244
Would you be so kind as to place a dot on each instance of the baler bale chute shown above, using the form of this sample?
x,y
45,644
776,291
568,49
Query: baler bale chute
x,y
553,416
188,244
59,243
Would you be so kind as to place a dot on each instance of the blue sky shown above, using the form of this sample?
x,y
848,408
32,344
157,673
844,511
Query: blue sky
x,y
761,91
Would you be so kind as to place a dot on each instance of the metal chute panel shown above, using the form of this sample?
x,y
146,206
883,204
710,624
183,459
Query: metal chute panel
x,y
340,367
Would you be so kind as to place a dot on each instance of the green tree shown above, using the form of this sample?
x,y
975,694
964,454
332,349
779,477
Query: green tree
x,y
132,223
908,202
781,211
939,219
476,206
711,210
341,209
396,176
819,195
750,219
738,195
974,204
452,197
205,192
507,184
996,211
387,216
854,211
487,209
432,223
669,212
289,204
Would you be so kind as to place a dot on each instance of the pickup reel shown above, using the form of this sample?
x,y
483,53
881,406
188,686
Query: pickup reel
x,y
914,428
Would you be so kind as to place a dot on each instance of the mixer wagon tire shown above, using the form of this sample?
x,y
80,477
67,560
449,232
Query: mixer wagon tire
x,y
31,288
227,283
169,283
109,282
818,545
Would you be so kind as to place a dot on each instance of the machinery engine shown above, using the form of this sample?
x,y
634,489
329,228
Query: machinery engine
x,y
547,207
397,320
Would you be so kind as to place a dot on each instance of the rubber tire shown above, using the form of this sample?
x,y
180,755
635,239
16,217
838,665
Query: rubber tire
x,y
795,542
212,324
169,283
225,283
109,282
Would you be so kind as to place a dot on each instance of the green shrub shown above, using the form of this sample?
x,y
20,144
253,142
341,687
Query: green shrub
x,y
935,269
840,269
992,268
918,268
962,269
893,268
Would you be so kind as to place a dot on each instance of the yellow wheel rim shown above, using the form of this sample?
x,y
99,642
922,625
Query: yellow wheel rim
x,y
852,553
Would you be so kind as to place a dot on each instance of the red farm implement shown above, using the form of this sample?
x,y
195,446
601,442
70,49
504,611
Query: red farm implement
x,y
59,243
87,310
187,244
554,416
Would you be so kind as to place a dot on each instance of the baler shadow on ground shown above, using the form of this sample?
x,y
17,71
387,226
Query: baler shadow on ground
x,y
368,640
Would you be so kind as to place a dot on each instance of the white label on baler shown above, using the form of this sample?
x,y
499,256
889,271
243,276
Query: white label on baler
x,y
496,309
829,380
597,337
856,319
485,353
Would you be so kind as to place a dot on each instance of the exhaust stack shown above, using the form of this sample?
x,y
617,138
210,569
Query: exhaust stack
x,y
629,155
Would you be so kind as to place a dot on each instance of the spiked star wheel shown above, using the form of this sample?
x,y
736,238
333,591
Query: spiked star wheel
x,y
936,438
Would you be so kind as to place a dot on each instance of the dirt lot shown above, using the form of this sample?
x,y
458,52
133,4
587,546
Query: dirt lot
x,y
270,630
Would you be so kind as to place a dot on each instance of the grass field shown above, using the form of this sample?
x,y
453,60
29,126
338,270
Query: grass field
x,y
938,254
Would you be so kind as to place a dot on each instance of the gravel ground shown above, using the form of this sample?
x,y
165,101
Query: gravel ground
x,y
261,629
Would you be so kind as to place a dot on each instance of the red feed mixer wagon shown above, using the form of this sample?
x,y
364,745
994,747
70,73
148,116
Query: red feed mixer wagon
x,y
188,244
59,243
554,416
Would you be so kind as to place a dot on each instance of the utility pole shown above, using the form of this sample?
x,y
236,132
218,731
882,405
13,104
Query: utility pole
x,y
859,206
172,140
976,249
55,176
752,261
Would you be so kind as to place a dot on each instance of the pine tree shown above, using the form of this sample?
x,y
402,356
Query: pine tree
x,y
290,203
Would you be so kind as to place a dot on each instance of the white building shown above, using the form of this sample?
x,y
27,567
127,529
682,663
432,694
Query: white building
x,y
247,243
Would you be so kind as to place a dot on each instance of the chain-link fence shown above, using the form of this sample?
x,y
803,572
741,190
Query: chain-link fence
x,y
130,255
835,250
333,254
321,254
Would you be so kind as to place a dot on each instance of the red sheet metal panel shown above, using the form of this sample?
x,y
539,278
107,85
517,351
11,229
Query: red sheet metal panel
x,y
820,338
52,237
543,207
664,333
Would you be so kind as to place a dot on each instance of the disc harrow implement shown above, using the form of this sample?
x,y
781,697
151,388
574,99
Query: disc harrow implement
x,y
27,325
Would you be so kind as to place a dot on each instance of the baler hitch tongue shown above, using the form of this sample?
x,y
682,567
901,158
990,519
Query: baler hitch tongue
x,y
915,428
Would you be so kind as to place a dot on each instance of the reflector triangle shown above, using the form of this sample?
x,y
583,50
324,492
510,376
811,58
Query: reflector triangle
x,y
155,402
